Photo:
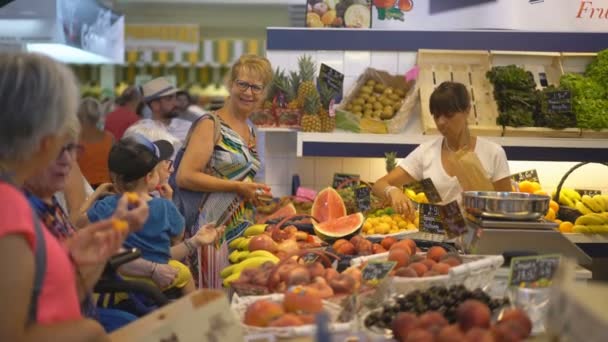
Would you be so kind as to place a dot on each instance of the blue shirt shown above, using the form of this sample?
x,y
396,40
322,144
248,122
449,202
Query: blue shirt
x,y
154,239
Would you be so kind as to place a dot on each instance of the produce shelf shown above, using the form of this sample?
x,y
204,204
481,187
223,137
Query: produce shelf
x,y
344,144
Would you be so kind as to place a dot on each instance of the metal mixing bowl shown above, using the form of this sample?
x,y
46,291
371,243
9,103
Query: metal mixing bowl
x,y
505,205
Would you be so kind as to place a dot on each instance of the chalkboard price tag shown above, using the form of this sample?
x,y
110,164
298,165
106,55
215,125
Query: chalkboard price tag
x,y
529,175
377,270
340,178
453,220
431,218
333,79
364,198
533,271
559,101
588,192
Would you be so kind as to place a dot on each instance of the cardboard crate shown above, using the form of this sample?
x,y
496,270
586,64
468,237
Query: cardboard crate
x,y
577,63
542,65
465,66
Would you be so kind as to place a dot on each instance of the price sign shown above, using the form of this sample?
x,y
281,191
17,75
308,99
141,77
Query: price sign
x,y
427,187
333,79
364,198
453,220
529,175
377,270
559,101
588,192
340,178
533,271
431,218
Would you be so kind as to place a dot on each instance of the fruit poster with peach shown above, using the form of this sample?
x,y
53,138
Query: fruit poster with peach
x,y
338,13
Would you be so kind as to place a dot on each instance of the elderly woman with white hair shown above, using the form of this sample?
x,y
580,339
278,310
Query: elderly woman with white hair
x,y
41,276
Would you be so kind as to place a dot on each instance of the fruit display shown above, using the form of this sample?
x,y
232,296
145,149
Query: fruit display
x,y
375,100
298,307
436,262
327,205
338,13
591,223
341,227
360,246
386,221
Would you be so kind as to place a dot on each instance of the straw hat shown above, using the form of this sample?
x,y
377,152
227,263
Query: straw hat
x,y
157,88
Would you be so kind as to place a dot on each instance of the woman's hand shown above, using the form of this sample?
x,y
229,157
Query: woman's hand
x,y
401,203
165,190
207,234
164,275
136,216
250,191
95,243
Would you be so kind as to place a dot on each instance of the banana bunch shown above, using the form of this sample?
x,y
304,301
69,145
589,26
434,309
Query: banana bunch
x,y
250,260
569,197
591,223
242,242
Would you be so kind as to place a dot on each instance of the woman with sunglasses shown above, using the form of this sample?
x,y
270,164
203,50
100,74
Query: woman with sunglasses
x,y
223,166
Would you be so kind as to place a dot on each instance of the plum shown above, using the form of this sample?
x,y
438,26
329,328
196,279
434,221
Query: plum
x,y
403,324
473,313
520,317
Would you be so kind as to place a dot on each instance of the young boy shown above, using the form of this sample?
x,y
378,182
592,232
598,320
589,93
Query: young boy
x,y
135,166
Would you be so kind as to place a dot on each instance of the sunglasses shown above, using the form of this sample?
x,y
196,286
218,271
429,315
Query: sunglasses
x,y
243,86
74,150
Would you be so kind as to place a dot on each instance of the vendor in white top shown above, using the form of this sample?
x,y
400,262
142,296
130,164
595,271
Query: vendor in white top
x,y
450,106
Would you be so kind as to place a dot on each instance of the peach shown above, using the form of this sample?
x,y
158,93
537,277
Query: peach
x,y
387,242
346,248
399,255
473,313
403,324
377,248
411,243
430,274
402,245
302,300
520,317
441,268
435,253
355,239
509,331
262,313
477,334
453,262
343,284
364,247
330,273
419,335
287,320
338,243
429,263
263,242
406,272
419,267
432,321
450,333
300,275
307,318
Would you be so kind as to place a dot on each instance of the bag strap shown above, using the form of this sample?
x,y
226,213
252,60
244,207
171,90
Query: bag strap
x,y
40,264
217,126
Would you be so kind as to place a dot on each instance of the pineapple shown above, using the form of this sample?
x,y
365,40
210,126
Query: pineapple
x,y
328,123
390,161
311,122
307,75
275,87
294,83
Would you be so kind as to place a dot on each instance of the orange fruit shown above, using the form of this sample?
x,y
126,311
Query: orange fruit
x,y
120,225
536,187
541,192
554,205
558,221
550,215
566,227
526,186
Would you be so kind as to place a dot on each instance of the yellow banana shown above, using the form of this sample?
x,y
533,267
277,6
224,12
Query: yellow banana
x,y
599,200
591,219
235,243
593,229
261,253
582,208
227,271
252,262
243,255
605,200
580,229
254,230
570,193
588,201
233,277
565,200
244,245
234,256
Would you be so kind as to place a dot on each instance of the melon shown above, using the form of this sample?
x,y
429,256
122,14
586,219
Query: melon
x,y
328,205
287,210
341,227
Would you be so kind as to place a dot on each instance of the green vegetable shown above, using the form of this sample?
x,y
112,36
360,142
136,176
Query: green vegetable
x,y
598,69
515,94
582,86
591,113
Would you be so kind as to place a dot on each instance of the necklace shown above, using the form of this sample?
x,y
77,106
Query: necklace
x,y
464,147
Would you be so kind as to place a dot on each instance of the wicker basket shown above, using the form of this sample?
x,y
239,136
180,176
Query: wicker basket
x,y
477,271
240,304
566,213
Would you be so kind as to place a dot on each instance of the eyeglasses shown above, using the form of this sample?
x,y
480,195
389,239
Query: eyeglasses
x,y
73,149
243,86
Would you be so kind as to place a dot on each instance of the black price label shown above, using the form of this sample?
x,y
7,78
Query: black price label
x,y
333,79
533,271
377,270
427,187
364,198
529,175
588,192
345,180
559,101
453,220
431,218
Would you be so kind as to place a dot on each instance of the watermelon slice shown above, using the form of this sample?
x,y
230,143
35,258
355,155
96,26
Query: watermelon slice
x,y
285,211
328,205
341,227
